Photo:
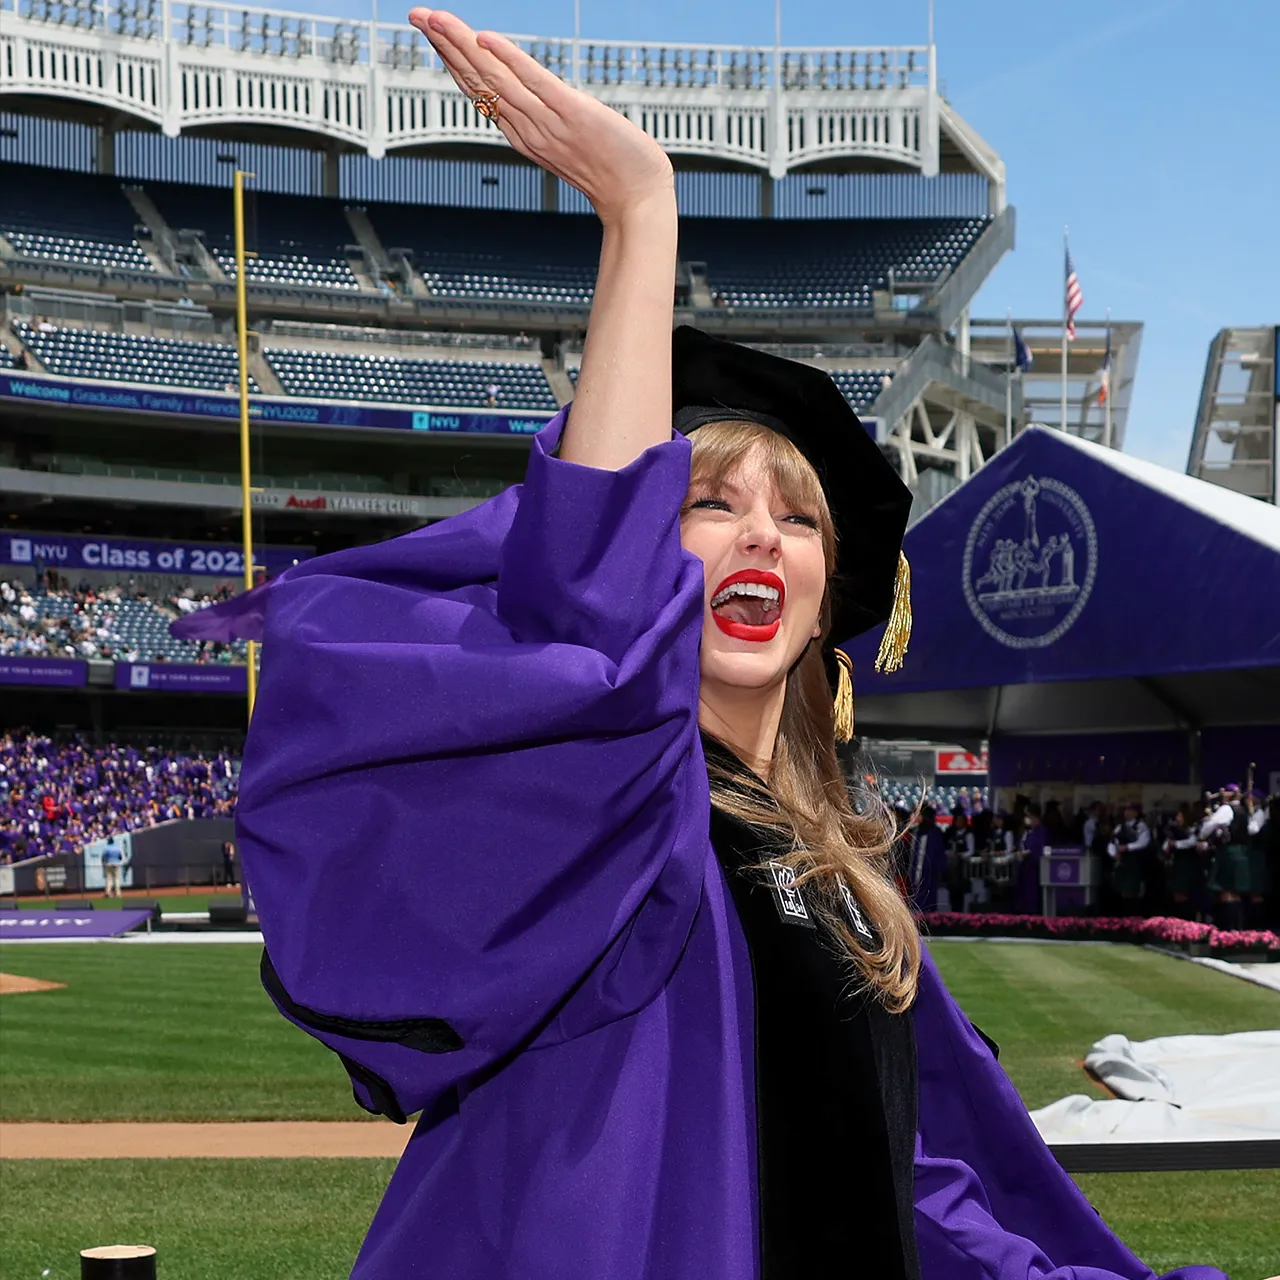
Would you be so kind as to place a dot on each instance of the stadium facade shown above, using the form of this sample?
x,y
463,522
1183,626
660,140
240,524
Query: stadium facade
x,y
418,293
1236,442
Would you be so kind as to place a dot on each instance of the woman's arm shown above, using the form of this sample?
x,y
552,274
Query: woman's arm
x,y
623,401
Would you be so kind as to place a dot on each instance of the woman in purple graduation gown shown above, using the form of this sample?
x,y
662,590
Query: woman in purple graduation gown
x,y
542,816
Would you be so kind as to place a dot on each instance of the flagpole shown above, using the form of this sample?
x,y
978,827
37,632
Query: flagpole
x,y
1111,386
1008,381
1062,418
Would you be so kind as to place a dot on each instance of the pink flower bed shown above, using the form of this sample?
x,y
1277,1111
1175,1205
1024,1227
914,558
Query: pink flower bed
x,y
1161,930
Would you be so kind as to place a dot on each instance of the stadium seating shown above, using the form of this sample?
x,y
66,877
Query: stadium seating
x,y
299,240
70,217
540,258
97,791
860,386
835,263
429,382
126,357
492,255
943,798
108,623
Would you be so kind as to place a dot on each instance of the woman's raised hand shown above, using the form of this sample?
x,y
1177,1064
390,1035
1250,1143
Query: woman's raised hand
x,y
616,165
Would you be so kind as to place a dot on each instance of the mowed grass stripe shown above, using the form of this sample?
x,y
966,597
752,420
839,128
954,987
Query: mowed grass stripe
x,y
287,1219
157,1033
208,1219
1045,1005
1225,1219
186,1032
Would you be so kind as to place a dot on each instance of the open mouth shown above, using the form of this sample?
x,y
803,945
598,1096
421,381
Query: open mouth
x,y
748,605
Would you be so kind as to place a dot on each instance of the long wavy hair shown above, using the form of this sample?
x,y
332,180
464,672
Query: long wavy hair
x,y
806,804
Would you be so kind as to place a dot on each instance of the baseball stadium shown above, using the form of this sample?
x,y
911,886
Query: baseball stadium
x,y
276,291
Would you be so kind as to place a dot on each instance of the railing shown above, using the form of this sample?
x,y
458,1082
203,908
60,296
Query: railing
x,y
397,337
285,34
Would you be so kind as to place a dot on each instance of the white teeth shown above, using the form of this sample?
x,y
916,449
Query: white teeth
x,y
757,589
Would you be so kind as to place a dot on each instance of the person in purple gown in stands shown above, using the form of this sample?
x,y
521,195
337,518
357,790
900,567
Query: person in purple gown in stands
x,y
1026,898
543,820
928,861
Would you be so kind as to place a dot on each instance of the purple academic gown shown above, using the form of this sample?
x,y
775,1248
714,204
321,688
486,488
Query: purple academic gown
x,y
928,867
1027,895
474,817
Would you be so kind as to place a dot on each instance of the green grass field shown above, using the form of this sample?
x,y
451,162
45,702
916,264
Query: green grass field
x,y
184,1033
172,1032
1046,1004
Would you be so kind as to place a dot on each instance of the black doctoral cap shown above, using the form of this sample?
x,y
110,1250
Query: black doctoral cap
x,y
714,381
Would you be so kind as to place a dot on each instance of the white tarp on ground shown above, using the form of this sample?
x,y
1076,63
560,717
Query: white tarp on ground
x,y
1174,1089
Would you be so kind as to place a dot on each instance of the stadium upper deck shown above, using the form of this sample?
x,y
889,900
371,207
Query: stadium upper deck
x,y
164,100
379,87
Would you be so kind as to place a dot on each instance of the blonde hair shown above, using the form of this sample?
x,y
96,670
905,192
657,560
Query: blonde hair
x,y
806,801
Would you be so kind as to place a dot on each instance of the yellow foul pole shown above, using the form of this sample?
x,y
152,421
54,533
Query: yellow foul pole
x,y
242,348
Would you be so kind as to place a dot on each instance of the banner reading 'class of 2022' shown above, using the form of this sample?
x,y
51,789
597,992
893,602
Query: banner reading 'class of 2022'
x,y
68,553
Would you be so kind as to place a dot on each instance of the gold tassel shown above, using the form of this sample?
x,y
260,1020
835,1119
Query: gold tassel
x,y
844,697
897,633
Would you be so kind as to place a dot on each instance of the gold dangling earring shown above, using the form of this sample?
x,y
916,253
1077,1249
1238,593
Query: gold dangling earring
x,y
844,697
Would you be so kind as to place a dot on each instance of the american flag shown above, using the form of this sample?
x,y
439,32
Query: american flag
x,y
1075,298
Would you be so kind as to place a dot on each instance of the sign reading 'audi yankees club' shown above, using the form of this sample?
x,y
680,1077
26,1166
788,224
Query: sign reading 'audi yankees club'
x,y
354,503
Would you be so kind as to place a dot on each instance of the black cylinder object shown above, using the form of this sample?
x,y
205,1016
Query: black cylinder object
x,y
118,1262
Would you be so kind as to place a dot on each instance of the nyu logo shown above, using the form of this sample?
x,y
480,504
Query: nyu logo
x,y
1030,562
139,677
24,551
787,896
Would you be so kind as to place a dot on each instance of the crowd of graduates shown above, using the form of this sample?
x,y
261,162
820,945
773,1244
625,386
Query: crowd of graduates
x,y
1216,861
53,619
56,797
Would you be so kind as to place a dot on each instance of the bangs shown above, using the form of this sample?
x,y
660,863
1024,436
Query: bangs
x,y
721,448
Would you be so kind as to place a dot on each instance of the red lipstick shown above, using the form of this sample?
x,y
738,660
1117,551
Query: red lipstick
x,y
745,630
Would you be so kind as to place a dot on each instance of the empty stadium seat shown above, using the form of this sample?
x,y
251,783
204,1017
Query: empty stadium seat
x,y
835,263
461,383
550,259
859,386
81,218
496,255
128,357
299,240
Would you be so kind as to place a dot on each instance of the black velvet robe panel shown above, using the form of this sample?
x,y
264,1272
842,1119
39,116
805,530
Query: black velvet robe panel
x,y
835,1087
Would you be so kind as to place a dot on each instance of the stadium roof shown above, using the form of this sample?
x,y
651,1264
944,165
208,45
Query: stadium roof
x,y
1067,587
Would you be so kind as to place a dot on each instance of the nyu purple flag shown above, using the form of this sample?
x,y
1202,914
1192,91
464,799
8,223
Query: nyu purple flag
x,y
43,671
172,677
18,926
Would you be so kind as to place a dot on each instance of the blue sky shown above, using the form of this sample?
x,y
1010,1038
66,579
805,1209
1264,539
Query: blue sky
x,y
1150,127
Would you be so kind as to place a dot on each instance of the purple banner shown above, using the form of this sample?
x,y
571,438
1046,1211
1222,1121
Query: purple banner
x,y
175,677
16,926
68,553
43,671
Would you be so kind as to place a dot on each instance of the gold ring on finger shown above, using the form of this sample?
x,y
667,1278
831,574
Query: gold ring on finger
x,y
486,104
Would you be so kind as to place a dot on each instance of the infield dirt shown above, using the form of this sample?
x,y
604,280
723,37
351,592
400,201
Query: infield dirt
x,y
247,1139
